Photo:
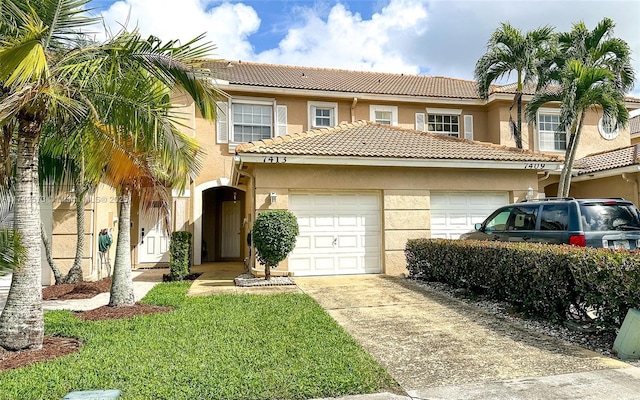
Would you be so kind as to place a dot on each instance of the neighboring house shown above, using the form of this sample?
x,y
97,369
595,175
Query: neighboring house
x,y
634,129
433,159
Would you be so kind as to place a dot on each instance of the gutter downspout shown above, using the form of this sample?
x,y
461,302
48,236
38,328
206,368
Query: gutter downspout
x,y
634,182
353,109
544,177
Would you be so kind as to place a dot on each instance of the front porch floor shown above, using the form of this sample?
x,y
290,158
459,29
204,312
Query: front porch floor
x,y
217,278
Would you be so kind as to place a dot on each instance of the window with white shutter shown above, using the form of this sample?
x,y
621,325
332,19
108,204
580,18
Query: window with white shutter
x,y
281,117
222,122
420,122
468,127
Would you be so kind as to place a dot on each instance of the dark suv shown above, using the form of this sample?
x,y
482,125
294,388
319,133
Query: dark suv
x,y
609,223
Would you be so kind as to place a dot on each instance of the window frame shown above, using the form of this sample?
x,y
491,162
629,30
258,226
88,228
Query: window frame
x,y
608,130
382,108
444,112
540,132
333,113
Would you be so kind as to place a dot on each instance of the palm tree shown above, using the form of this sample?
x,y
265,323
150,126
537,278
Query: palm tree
x,y
46,66
61,162
509,50
589,70
147,160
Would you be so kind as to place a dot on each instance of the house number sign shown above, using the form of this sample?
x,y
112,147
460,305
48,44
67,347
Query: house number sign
x,y
534,166
274,159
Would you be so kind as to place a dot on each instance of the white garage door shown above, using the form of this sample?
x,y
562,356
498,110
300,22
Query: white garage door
x,y
339,233
454,213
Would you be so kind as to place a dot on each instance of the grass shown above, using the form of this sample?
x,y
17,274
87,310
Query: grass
x,y
217,347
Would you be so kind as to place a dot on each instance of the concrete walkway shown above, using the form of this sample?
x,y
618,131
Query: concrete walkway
x,y
143,281
440,348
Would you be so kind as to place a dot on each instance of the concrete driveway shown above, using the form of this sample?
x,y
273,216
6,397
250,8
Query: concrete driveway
x,y
438,347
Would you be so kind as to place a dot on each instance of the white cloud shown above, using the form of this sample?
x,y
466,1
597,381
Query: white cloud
x,y
228,26
344,40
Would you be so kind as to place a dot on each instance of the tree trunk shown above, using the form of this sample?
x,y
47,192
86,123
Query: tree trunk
x,y
518,132
75,273
22,321
47,249
122,282
5,154
267,272
570,156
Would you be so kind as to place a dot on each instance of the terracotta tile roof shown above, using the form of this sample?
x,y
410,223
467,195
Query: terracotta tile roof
x,y
346,81
336,80
634,125
368,139
606,160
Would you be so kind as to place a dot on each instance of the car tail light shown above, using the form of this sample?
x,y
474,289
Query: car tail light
x,y
578,240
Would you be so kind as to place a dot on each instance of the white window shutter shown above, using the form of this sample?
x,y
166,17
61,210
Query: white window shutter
x,y
420,122
222,122
468,127
281,117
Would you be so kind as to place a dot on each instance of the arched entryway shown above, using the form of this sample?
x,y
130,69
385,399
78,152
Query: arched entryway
x,y
219,225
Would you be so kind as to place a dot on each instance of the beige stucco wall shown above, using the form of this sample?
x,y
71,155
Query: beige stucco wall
x,y
100,211
613,186
405,194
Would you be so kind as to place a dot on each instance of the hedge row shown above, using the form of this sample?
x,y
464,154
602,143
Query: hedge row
x,y
549,281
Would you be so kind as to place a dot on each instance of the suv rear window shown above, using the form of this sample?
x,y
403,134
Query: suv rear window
x,y
609,217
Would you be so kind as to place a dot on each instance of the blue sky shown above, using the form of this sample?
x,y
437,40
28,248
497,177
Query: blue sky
x,y
431,37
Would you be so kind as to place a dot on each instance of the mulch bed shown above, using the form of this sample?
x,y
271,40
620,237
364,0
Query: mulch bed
x,y
53,347
82,290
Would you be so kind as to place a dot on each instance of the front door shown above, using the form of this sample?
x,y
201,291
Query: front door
x,y
153,245
230,241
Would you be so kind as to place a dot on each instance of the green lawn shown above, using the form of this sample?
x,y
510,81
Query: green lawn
x,y
218,347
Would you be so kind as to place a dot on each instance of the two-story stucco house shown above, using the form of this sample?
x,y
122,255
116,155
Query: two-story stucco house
x,y
366,161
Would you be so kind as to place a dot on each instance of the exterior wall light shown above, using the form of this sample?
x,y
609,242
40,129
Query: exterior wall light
x,y
530,193
273,197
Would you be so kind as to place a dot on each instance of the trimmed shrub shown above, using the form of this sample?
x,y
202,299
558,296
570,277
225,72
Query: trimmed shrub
x,y
554,282
180,253
274,236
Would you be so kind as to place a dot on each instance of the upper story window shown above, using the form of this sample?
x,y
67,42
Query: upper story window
x,y
322,114
252,122
549,139
386,115
249,120
444,121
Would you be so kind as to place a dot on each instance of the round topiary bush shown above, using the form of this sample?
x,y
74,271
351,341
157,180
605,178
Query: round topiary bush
x,y
274,236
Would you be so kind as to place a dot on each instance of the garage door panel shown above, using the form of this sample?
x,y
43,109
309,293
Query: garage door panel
x,y
324,264
453,213
347,220
323,242
303,242
438,219
371,221
344,231
322,221
349,242
304,222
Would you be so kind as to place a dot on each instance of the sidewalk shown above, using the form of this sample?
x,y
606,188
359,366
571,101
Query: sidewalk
x,y
143,282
